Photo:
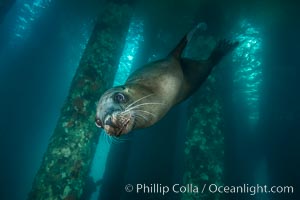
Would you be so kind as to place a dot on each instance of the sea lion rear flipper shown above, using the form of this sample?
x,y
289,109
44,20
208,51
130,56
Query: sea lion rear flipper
x,y
196,71
222,48
177,51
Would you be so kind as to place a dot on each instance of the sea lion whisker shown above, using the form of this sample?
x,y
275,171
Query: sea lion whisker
x,y
110,139
115,140
146,112
142,104
107,139
124,139
139,119
142,117
122,117
144,97
118,140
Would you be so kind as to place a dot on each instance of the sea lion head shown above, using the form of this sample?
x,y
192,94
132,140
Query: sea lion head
x,y
117,111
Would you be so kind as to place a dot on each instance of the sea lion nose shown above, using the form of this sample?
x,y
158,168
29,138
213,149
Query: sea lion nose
x,y
109,122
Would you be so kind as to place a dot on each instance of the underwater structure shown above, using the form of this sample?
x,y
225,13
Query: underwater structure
x,y
66,163
5,5
205,138
204,142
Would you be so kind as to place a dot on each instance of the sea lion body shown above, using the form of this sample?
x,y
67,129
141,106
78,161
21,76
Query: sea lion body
x,y
151,91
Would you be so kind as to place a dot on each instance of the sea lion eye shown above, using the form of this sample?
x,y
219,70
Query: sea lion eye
x,y
120,98
98,123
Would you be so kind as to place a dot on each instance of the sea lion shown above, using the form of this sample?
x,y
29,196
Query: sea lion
x,y
152,90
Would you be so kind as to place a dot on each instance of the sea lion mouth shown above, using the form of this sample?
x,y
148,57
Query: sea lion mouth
x,y
118,123
123,126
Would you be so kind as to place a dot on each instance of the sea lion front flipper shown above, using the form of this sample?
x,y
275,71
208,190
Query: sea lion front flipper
x,y
177,51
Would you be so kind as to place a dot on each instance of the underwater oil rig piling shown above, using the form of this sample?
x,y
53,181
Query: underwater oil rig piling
x,y
67,160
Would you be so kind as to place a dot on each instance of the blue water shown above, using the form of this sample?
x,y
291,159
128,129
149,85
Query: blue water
x,y
41,44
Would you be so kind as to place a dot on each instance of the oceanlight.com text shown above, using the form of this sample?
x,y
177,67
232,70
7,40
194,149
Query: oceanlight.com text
x,y
251,189
157,188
